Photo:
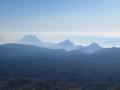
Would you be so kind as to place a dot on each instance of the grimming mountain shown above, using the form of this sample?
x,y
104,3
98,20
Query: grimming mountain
x,y
31,40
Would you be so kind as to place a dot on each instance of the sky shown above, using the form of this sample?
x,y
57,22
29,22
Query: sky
x,y
82,21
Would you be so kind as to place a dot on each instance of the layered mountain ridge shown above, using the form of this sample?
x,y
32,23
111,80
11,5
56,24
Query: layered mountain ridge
x,y
65,44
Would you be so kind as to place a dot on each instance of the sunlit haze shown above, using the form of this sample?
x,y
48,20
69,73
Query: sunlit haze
x,y
81,21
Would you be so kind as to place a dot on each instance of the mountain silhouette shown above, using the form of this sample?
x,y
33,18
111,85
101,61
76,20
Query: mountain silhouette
x,y
90,48
30,39
66,44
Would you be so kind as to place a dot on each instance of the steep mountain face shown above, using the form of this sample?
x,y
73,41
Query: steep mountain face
x,y
66,44
100,68
90,48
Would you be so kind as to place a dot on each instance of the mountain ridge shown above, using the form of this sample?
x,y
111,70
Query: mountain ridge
x,y
65,44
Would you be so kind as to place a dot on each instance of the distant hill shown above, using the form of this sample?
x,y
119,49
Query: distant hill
x,y
31,39
66,44
90,48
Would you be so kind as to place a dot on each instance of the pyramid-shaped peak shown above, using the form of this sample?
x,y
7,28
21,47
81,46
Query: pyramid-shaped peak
x,y
94,45
66,42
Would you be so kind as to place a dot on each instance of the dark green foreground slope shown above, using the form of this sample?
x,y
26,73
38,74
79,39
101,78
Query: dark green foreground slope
x,y
24,67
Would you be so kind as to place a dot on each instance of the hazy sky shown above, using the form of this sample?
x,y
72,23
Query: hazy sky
x,y
59,18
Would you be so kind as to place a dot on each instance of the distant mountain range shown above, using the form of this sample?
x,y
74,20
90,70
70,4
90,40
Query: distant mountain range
x,y
66,44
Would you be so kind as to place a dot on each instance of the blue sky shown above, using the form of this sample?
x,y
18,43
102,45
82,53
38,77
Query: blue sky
x,y
98,18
